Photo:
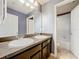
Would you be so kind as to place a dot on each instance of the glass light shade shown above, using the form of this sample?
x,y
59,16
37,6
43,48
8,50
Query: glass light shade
x,y
22,1
27,4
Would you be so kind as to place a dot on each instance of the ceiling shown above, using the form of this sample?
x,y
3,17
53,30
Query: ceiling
x,y
43,1
18,6
67,8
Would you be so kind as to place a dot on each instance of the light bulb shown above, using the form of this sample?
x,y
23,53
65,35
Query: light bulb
x,y
31,1
27,4
31,7
36,4
22,1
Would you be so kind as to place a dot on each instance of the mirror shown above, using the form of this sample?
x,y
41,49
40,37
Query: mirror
x,y
3,10
22,17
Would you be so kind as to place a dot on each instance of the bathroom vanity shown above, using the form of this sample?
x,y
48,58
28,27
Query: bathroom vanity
x,y
39,49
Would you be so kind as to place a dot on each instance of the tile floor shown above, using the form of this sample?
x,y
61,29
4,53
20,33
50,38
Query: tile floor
x,y
51,57
63,54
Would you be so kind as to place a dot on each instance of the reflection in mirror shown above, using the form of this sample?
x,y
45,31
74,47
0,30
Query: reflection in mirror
x,y
22,17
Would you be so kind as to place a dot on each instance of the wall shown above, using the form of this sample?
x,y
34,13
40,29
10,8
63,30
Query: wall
x,y
64,30
48,20
75,31
37,19
38,23
21,20
47,17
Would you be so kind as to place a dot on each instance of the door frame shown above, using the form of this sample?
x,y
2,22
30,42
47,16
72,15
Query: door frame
x,y
27,22
55,22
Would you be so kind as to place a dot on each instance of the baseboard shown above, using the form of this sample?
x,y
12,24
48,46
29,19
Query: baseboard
x,y
53,55
74,55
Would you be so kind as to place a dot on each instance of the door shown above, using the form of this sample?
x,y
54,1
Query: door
x,y
30,25
9,27
63,31
75,31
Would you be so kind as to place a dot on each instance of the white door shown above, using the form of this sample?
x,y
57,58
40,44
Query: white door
x,y
63,31
30,26
10,26
75,31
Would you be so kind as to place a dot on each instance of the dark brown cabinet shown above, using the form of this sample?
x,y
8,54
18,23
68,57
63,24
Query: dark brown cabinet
x,y
44,53
46,49
36,55
25,55
32,53
40,51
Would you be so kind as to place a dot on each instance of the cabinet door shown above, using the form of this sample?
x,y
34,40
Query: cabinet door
x,y
45,53
36,55
48,50
25,55
33,53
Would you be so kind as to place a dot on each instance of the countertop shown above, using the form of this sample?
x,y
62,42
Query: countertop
x,y
6,51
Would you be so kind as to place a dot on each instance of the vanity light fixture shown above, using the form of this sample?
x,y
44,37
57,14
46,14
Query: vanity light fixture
x,y
22,1
27,4
32,1
31,7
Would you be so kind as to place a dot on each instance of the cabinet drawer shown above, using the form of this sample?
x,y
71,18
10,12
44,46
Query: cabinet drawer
x,y
37,55
35,49
46,42
27,54
44,53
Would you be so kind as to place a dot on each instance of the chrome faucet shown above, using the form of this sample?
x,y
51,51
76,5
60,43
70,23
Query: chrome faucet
x,y
19,37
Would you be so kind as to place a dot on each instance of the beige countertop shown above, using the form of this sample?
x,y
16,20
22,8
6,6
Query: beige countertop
x,y
6,51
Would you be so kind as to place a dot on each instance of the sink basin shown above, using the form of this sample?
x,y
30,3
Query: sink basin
x,y
40,36
21,42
